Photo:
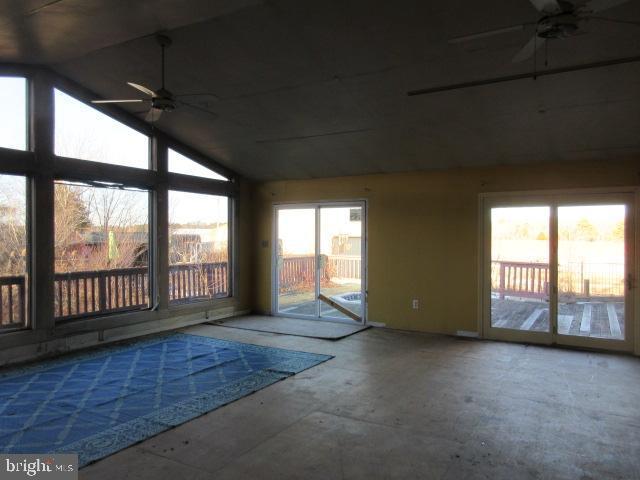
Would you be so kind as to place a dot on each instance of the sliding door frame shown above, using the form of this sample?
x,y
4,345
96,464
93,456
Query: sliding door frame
x,y
555,199
317,206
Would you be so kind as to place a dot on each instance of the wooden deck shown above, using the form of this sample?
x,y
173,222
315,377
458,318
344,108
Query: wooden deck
x,y
600,319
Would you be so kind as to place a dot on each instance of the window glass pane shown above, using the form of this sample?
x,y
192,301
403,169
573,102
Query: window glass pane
x,y
13,252
101,250
13,113
178,163
198,246
85,133
520,268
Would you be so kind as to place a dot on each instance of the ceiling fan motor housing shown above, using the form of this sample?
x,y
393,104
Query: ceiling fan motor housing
x,y
164,104
163,100
558,26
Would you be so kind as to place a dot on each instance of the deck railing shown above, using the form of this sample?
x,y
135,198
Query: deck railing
x,y
12,304
195,281
296,272
104,291
345,267
520,279
577,279
79,294
299,271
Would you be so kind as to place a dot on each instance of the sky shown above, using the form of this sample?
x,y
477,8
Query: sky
x,y
85,133
13,114
296,228
604,216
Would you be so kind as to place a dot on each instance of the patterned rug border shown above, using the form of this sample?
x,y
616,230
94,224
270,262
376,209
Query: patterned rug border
x,y
108,442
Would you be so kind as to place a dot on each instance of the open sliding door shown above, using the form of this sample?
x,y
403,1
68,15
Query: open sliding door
x,y
319,261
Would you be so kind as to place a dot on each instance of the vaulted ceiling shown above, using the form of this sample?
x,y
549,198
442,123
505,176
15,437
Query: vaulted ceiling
x,y
319,87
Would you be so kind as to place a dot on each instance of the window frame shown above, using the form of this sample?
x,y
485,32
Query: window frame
x,y
231,222
28,273
152,288
19,163
42,167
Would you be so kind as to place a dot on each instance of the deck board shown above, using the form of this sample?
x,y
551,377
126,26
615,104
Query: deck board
x,y
614,324
585,324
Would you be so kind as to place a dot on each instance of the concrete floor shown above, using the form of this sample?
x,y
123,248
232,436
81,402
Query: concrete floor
x,y
400,405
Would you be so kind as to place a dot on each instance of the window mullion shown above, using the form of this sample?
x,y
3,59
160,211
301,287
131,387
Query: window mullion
x,y
42,208
161,225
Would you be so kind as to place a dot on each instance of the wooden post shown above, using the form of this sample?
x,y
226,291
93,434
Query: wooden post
x,y
102,292
502,280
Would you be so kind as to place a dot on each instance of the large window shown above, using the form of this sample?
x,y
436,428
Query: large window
x,y
13,113
13,252
198,246
85,133
101,250
178,163
81,239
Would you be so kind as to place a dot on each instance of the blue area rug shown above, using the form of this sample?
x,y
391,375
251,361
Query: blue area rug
x,y
96,403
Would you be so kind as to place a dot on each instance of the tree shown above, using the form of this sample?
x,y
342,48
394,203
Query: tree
x,y
98,228
13,232
618,231
71,221
585,230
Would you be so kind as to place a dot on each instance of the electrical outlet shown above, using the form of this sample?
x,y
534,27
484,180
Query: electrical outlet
x,y
415,304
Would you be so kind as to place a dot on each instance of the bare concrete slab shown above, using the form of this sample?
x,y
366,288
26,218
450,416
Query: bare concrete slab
x,y
293,326
397,405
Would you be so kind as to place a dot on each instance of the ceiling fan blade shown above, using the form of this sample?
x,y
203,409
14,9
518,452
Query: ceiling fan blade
x,y
529,49
488,33
153,115
131,100
212,96
613,20
142,88
196,107
595,6
547,6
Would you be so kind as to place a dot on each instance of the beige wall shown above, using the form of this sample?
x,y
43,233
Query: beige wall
x,y
423,233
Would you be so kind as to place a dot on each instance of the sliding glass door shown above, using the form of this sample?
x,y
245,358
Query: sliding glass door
x,y
559,269
319,261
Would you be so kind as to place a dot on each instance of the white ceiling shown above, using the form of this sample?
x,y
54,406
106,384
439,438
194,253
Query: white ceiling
x,y
318,88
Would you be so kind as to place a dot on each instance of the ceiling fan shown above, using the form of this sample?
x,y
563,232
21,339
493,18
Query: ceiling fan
x,y
560,19
162,100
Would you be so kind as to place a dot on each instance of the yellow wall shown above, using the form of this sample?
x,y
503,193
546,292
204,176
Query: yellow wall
x,y
423,233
